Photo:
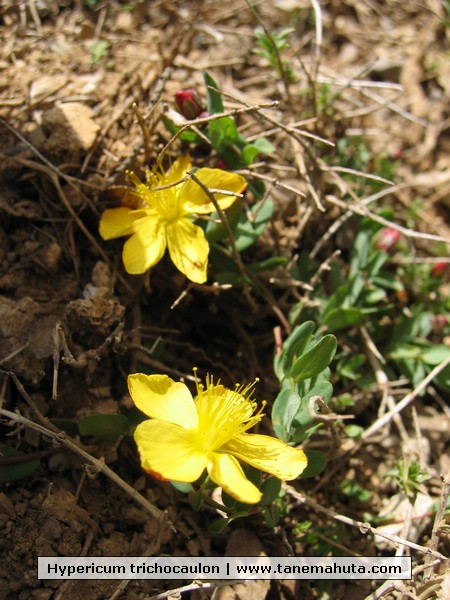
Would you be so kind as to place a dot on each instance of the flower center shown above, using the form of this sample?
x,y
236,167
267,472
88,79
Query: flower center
x,y
166,200
224,413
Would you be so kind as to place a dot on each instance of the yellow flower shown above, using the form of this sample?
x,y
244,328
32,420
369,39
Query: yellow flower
x,y
162,218
184,437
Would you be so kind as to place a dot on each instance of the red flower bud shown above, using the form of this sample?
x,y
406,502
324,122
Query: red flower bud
x,y
387,238
222,164
189,103
439,268
439,322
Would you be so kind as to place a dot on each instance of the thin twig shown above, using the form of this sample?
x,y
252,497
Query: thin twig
x,y
281,66
439,519
363,527
226,225
360,209
376,361
319,35
384,420
60,437
203,120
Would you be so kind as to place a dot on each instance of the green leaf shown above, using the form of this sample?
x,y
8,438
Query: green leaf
x,y
373,295
374,263
443,379
316,463
271,515
267,264
434,355
70,426
251,151
315,360
16,471
349,366
222,133
214,229
246,232
321,388
354,431
342,318
184,488
215,104
346,296
187,136
229,278
197,500
284,409
405,352
355,491
104,427
304,425
388,281
361,248
219,525
270,489
295,344
264,146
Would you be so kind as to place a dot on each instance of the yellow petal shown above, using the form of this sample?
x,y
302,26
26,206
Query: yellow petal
x,y
146,246
159,397
227,472
168,451
267,454
188,249
195,199
177,171
116,222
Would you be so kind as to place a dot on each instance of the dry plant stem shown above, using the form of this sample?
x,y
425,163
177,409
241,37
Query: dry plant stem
x,y
348,214
323,267
281,68
54,178
300,161
14,353
291,129
360,209
272,180
144,129
439,520
154,101
319,35
363,527
376,361
371,176
202,121
59,437
226,225
386,418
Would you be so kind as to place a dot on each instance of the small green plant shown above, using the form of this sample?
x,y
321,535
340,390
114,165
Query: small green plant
x,y
270,47
409,477
302,368
98,50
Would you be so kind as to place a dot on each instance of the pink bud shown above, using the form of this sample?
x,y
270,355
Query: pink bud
x,y
387,238
189,103
439,321
439,268
222,164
